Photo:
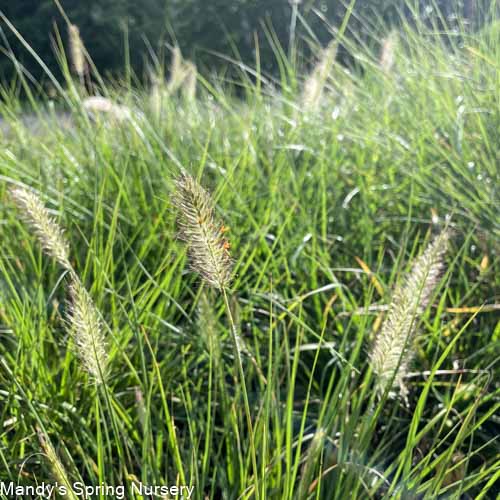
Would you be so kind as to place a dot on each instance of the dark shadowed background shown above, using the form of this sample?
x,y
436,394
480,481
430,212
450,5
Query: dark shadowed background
x,y
206,29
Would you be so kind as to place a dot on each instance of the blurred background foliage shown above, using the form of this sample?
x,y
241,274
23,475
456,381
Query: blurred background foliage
x,y
208,31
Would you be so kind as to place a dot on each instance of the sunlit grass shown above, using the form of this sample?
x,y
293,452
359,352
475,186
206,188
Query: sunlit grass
x,y
324,209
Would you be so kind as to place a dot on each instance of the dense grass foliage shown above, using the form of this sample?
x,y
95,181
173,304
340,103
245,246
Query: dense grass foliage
x,y
327,207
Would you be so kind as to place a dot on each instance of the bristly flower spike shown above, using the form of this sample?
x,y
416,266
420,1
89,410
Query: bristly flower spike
x,y
45,227
85,327
388,52
393,348
207,246
84,320
76,50
315,83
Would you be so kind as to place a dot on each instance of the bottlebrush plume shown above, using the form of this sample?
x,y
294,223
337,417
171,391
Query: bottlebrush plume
x,y
189,86
393,348
85,327
388,52
76,50
208,247
315,83
46,229
177,71
96,105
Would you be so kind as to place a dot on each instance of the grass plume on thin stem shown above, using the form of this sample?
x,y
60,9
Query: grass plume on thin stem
x,y
84,319
392,350
208,249
177,72
86,329
45,227
98,106
207,245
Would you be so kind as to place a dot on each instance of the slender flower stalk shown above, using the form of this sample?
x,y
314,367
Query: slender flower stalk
x,y
207,245
158,94
209,252
85,323
45,227
393,349
86,330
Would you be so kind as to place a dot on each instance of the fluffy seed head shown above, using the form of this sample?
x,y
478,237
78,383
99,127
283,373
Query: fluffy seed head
x,y
388,51
86,330
191,74
46,229
96,105
76,50
208,247
158,96
177,71
315,83
392,350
